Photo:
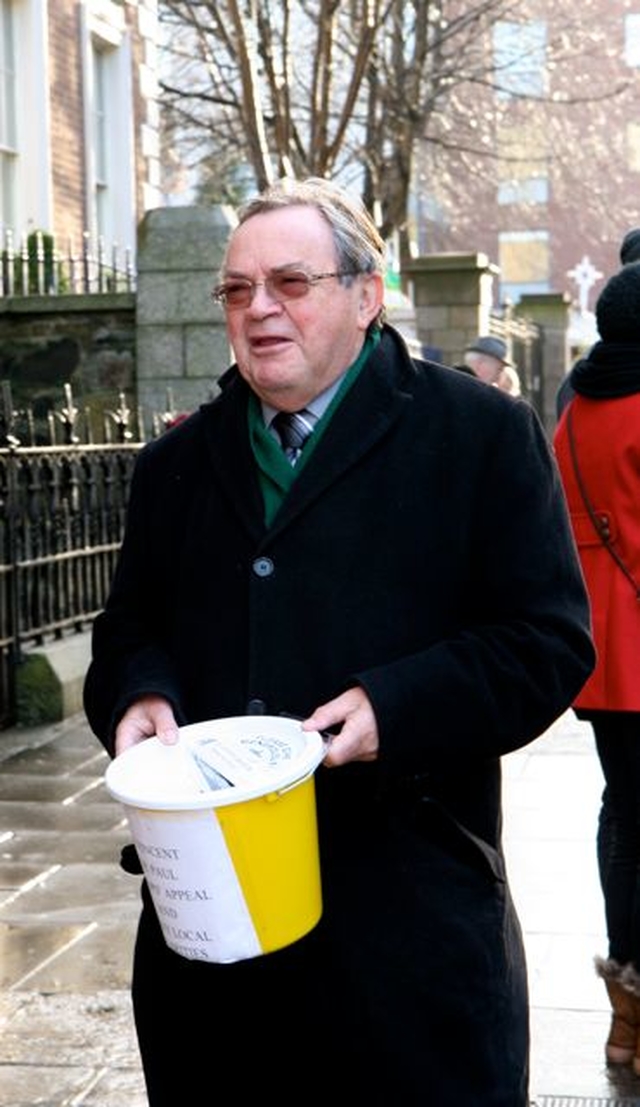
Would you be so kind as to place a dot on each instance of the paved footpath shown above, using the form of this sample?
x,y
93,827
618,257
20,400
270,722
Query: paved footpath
x,y
67,923
68,915
552,792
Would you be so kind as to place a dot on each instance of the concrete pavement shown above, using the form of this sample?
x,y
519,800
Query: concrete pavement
x,y
552,794
68,915
67,923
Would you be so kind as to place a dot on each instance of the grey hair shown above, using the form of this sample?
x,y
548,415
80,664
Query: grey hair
x,y
359,246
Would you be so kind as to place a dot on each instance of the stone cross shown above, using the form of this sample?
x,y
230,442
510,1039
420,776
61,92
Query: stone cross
x,y
585,276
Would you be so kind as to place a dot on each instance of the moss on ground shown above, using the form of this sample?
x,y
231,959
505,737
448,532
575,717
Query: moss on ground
x,y
38,690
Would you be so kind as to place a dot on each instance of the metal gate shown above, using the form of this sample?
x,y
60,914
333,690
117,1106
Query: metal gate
x,y
62,515
62,512
524,340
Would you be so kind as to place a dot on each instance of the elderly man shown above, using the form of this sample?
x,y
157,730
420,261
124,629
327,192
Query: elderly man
x,y
487,358
325,539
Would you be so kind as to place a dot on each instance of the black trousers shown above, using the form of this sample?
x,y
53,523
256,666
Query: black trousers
x,y
617,736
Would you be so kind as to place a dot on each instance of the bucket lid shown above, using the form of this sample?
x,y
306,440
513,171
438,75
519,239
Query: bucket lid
x,y
216,763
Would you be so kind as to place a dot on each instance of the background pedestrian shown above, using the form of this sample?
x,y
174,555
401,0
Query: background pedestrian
x,y
598,450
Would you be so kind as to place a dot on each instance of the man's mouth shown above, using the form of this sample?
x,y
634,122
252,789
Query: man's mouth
x,y
267,342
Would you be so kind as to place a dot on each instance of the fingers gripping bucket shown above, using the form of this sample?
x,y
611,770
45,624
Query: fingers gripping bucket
x,y
224,824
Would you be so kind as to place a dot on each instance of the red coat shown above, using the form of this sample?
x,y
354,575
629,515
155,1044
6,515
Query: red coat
x,y
607,437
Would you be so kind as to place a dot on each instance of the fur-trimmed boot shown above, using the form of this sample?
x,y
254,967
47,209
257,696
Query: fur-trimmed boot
x,y
630,980
622,1046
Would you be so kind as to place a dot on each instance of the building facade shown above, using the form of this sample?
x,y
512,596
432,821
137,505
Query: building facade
x,y
549,182
79,128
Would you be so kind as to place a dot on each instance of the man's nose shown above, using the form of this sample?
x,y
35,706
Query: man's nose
x,y
262,299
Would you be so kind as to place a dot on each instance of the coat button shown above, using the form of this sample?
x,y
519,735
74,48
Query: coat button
x,y
263,566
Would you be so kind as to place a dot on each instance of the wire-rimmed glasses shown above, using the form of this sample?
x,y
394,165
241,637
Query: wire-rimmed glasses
x,y
284,285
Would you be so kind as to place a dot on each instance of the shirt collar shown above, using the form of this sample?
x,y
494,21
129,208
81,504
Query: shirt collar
x,y
317,406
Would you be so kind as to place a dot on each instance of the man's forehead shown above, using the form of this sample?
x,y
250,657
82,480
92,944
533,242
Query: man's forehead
x,y
288,233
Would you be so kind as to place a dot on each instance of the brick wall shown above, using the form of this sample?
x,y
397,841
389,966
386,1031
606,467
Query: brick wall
x,y
66,121
69,217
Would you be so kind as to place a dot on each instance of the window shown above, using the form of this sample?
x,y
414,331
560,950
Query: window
x,y
109,125
519,56
533,190
523,164
99,136
25,118
524,263
632,40
8,122
633,146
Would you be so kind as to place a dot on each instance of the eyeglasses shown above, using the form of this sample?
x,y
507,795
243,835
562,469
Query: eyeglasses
x,y
291,284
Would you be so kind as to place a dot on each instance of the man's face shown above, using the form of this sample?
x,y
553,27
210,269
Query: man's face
x,y
488,369
289,352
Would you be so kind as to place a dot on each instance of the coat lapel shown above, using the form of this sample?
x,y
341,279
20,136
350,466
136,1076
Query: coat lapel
x,y
371,407
232,461
350,435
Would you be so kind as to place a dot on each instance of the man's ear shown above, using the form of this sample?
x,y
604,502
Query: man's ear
x,y
371,298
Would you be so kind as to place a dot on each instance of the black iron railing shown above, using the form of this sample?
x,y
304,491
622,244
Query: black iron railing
x,y
62,515
36,265
62,512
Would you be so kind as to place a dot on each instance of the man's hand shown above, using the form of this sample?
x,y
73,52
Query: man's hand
x,y
358,738
147,716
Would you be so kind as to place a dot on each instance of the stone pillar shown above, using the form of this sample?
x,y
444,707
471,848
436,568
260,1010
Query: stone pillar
x,y
181,342
551,311
453,297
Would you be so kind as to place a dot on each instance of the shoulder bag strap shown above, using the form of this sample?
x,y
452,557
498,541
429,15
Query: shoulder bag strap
x,y
600,522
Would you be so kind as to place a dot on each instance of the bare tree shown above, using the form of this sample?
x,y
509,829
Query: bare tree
x,y
389,96
318,87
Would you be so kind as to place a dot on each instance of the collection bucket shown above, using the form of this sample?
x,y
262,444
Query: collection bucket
x,y
224,823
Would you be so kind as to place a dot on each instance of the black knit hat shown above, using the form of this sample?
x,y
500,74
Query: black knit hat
x,y
618,306
630,247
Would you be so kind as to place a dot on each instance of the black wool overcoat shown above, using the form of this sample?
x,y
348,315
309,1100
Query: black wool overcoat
x,y
423,552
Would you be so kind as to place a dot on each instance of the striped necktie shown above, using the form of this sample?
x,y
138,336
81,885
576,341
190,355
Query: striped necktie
x,y
293,429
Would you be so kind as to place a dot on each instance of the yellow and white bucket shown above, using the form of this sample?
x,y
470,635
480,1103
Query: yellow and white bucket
x,y
224,823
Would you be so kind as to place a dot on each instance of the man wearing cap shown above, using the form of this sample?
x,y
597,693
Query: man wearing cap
x,y
487,357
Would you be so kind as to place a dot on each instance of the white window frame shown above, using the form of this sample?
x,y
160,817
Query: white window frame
x,y
8,112
110,203
31,205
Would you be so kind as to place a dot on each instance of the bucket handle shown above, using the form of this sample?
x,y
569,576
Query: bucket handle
x,y
326,741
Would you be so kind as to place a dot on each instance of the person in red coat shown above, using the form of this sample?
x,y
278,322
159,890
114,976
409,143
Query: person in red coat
x,y
597,444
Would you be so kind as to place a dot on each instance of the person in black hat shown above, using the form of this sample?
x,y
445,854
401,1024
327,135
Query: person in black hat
x,y
629,252
487,357
630,247
596,444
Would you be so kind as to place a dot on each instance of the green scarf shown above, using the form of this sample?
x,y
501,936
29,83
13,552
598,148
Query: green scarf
x,y
275,472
